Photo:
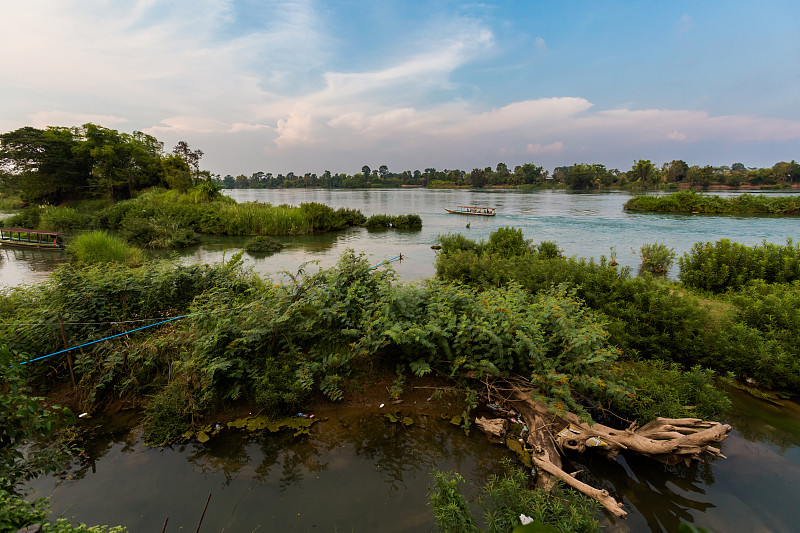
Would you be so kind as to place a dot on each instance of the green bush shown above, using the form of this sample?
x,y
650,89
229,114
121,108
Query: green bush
x,y
656,258
725,265
100,247
507,241
63,219
549,250
262,244
663,389
694,202
504,498
410,222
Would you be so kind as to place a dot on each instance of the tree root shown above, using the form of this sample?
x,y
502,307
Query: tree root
x,y
670,441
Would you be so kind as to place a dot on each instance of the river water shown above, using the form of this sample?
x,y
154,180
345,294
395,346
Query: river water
x,y
361,473
583,224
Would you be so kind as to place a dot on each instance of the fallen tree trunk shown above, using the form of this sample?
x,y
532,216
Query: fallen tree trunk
x,y
667,440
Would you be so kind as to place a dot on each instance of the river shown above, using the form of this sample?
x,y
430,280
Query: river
x,y
359,472
584,224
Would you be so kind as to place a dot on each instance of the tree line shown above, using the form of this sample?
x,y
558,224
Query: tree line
x,y
643,174
60,164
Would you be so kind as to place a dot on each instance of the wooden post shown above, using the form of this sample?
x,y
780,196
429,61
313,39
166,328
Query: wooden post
x,y
69,355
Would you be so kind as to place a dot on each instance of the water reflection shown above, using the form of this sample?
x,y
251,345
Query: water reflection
x,y
355,472
359,471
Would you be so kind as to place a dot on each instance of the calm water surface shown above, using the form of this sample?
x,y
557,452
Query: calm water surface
x,y
362,473
583,224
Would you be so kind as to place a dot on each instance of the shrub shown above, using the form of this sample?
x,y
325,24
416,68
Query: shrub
x,y
504,498
549,250
656,258
262,244
63,219
725,265
378,222
663,389
507,241
100,247
411,221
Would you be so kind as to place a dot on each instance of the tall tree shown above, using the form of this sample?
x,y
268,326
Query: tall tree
x,y
43,165
192,157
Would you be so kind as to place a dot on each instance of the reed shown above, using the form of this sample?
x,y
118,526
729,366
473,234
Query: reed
x,y
98,246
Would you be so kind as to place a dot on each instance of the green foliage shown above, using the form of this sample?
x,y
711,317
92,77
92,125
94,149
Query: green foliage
x,y
409,222
62,219
450,508
656,258
101,247
17,512
551,337
262,244
663,389
504,498
549,250
694,202
725,265
22,417
506,242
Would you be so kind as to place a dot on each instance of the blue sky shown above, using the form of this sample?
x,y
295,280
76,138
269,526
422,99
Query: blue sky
x,y
307,86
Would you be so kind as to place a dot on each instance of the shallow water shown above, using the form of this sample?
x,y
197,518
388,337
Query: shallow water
x,y
362,473
583,224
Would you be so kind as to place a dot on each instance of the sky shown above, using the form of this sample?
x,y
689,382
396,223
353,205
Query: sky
x,y
309,86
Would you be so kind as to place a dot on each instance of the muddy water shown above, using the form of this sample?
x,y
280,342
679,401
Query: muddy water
x,y
362,473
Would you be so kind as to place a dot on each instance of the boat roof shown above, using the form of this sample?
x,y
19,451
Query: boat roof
x,y
475,207
32,231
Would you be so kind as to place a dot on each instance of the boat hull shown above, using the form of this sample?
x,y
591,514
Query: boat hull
x,y
478,214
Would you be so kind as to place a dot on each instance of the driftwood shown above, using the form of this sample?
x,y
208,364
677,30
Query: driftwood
x,y
667,440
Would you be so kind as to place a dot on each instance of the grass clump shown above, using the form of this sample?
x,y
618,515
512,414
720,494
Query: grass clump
x,y
97,247
262,245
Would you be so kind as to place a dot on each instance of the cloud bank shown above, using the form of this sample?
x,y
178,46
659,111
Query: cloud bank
x,y
267,96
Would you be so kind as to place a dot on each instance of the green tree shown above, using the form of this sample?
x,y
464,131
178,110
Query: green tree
x,y
584,176
645,173
177,174
43,165
675,172
192,157
365,171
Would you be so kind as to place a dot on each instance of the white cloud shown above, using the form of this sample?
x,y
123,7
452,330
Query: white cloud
x,y
685,24
552,148
676,136
541,45
44,119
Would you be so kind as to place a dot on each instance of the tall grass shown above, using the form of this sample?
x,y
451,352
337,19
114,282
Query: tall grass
x,y
99,246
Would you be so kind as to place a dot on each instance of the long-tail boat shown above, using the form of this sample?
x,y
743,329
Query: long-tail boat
x,y
472,210
31,238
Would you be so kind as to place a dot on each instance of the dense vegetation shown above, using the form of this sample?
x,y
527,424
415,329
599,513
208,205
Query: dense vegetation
x,y
725,265
589,336
648,318
160,218
694,202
